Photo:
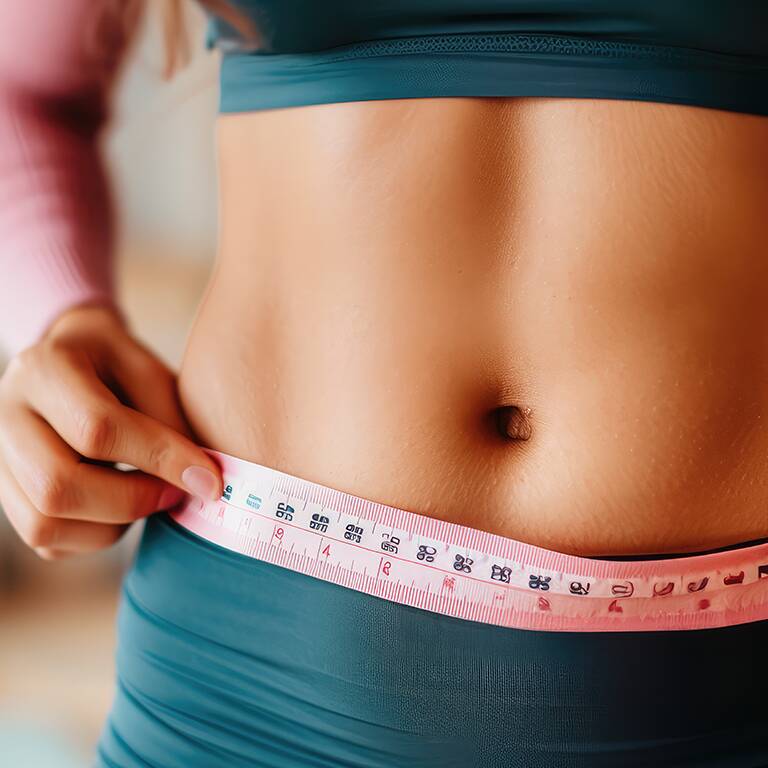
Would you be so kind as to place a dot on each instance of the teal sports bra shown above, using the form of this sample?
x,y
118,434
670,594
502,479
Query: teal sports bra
x,y
710,53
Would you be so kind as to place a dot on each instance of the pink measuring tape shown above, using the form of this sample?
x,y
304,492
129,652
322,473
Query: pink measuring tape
x,y
466,573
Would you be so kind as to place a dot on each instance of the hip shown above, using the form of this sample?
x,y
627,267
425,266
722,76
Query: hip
x,y
224,659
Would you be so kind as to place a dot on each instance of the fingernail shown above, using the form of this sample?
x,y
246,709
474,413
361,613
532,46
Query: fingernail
x,y
201,482
170,496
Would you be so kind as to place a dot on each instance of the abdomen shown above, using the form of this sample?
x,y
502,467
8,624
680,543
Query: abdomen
x,y
393,276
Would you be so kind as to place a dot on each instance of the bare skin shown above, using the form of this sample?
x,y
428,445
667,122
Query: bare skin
x,y
392,273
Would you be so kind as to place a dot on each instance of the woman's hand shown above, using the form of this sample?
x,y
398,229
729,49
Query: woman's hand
x,y
86,396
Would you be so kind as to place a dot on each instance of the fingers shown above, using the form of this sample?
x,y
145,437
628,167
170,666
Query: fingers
x,y
59,485
77,404
51,537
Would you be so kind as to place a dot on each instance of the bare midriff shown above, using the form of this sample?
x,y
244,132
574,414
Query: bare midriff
x,y
544,318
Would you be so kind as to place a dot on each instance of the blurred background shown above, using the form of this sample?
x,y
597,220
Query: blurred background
x,y
57,618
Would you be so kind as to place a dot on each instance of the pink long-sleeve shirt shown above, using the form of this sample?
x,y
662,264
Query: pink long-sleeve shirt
x,y
56,215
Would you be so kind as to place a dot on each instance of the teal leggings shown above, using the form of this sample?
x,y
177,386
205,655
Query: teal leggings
x,y
224,660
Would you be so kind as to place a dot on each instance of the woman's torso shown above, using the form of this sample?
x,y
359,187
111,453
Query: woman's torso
x,y
390,273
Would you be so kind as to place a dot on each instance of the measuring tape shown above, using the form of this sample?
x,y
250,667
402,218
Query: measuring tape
x,y
467,573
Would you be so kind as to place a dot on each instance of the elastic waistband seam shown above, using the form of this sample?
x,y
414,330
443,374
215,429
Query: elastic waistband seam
x,y
510,42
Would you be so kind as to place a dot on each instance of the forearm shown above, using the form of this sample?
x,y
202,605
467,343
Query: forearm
x,y
58,63
56,215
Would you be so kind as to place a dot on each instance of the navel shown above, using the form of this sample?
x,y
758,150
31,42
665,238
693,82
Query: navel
x,y
514,422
